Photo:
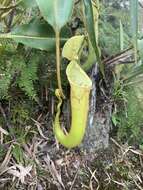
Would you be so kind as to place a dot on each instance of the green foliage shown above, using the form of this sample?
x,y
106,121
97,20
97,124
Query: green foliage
x,y
17,153
2,152
113,13
131,120
16,72
20,114
110,41
4,84
28,77
128,90
128,93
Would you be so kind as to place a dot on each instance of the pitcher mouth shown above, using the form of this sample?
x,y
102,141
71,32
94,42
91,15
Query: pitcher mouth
x,y
77,76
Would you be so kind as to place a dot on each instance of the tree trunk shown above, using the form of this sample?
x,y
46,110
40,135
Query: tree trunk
x,y
98,124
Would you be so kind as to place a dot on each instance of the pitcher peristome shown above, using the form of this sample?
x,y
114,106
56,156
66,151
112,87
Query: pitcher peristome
x,y
80,85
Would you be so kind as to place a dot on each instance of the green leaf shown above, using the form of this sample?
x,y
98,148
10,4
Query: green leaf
x,y
28,3
121,36
90,26
134,17
56,12
134,25
37,35
18,153
114,119
140,48
72,47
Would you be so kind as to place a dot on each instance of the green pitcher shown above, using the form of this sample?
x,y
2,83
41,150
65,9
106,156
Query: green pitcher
x,y
80,85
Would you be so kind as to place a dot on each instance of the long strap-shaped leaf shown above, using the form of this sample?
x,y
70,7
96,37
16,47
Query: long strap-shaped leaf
x,y
88,10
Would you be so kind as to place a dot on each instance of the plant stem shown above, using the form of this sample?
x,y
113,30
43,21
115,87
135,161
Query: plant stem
x,y
58,63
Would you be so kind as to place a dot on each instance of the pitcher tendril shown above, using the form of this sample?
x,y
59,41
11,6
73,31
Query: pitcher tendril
x,y
58,64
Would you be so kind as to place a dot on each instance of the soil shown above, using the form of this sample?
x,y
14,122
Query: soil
x,y
54,168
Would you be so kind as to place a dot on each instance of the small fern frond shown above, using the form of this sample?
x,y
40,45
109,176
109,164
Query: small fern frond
x,y
6,41
15,71
28,77
5,80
